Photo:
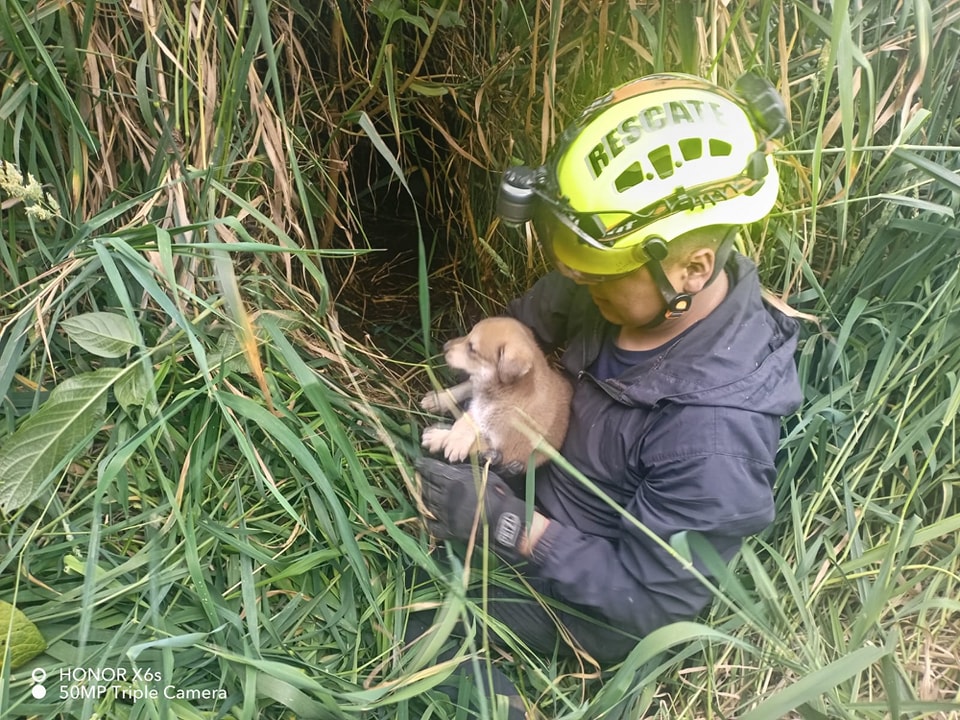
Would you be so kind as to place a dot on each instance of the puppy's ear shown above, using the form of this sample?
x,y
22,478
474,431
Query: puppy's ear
x,y
513,363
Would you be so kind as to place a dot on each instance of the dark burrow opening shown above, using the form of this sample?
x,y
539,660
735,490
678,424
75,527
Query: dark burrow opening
x,y
377,293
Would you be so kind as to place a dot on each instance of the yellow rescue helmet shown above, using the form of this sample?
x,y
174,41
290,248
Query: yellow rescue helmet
x,y
653,159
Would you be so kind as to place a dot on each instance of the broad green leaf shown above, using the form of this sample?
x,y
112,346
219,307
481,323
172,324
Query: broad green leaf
x,y
444,18
392,11
20,635
75,409
104,334
229,356
133,388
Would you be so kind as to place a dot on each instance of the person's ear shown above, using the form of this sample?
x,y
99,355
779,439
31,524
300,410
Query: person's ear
x,y
698,269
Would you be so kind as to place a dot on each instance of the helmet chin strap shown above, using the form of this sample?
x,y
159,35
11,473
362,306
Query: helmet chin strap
x,y
723,252
677,303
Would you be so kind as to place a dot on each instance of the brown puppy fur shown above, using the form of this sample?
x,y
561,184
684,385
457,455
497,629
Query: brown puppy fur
x,y
511,385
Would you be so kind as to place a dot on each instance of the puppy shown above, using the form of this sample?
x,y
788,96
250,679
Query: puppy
x,y
511,386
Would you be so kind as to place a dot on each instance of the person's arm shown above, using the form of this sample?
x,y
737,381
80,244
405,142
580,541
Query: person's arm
x,y
722,492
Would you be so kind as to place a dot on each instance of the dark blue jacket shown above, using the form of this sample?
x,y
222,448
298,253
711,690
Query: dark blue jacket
x,y
683,441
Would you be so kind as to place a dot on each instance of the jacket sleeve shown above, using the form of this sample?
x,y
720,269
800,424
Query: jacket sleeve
x,y
627,576
546,309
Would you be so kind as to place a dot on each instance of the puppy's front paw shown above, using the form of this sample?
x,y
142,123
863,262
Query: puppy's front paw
x,y
431,402
434,438
458,444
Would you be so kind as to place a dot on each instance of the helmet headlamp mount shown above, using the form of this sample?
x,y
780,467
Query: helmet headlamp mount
x,y
518,188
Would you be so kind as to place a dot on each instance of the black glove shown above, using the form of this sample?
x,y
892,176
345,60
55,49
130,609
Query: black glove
x,y
450,493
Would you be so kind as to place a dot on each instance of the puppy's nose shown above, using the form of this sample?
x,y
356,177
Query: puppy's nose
x,y
449,344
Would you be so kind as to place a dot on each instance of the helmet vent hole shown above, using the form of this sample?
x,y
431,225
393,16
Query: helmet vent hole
x,y
720,148
631,177
662,161
691,148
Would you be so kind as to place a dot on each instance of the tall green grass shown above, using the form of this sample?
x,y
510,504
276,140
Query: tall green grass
x,y
203,476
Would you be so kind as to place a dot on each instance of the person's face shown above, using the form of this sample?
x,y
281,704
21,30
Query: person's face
x,y
634,300
630,300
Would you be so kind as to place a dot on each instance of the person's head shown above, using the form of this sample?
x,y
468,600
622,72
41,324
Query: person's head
x,y
636,299
655,160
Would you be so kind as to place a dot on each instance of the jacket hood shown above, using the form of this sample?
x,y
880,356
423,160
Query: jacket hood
x,y
739,356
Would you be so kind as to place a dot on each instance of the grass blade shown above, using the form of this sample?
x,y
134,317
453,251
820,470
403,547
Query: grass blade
x,y
817,683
